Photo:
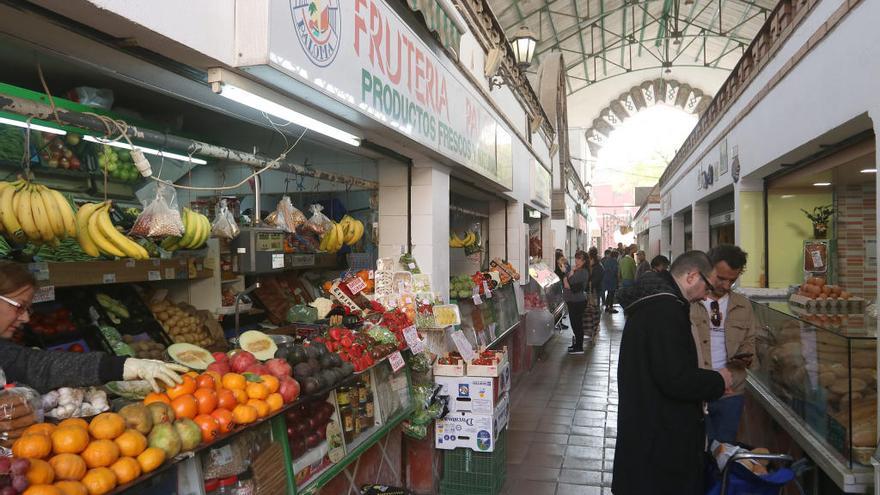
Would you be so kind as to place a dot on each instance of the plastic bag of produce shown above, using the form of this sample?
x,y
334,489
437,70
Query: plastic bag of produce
x,y
287,217
20,407
318,221
224,225
161,216
301,313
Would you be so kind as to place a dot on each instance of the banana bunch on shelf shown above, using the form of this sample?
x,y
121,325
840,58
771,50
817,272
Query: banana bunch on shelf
x,y
97,235
347,232
33,212
196,230
469,239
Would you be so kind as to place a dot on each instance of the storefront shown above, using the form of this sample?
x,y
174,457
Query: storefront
x,y
350,203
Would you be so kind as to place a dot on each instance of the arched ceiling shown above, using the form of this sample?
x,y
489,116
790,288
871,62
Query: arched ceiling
x,y
612,45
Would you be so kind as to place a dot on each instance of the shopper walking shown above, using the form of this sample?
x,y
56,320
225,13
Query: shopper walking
x,y
660,431
593,312
574,291
562,270
659,263
609,282
643,266
627,269
725,330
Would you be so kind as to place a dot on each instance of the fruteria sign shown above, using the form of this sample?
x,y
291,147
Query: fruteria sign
x,y
362,54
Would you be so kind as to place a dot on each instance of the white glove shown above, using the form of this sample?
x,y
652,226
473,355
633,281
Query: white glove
x,y
152,370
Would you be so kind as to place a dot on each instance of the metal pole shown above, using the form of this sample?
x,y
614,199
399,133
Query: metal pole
x,y
37,110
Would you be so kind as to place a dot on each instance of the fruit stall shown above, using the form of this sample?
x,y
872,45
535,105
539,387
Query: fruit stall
x,y
306,351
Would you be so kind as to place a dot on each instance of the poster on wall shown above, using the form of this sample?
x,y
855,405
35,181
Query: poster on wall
x,y
362,54
723,164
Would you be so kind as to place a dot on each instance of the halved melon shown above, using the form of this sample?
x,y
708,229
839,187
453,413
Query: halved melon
x,y
191,356
259,344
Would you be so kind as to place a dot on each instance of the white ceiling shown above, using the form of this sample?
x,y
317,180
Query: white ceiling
x,y
612,45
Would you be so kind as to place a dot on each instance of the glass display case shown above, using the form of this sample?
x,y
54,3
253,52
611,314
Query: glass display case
x,y
822,370
542,298
488,322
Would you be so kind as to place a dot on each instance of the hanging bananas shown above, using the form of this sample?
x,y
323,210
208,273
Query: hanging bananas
x,y
347,232
196,230
470,238
35,213
97,235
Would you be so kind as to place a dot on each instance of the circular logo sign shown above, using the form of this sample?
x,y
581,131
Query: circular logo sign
x,y
317,26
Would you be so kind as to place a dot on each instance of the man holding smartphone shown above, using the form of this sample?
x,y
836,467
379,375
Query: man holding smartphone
x,y
724,330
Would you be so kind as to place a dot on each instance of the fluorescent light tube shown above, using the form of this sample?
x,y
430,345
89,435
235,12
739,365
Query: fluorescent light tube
x,y
149,151
821,184
36,127
247,98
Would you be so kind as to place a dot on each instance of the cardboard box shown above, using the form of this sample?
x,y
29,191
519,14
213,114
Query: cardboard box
x,y
489,370
473,431
474,394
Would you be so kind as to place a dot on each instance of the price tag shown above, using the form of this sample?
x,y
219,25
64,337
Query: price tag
x,y
355,285
169,273
817,259
277,261
300,260
154,275
372,274
109,278
486,290
477,299
44,294
40,270
463,345
396,360
129,263
411,335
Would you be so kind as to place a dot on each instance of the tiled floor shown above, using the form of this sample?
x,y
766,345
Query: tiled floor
x,y
563,419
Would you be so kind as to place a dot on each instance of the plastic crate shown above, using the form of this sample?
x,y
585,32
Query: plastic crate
x,y
466,472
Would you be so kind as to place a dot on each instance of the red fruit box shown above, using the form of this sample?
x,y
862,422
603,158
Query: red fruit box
x,y
442,368
488,363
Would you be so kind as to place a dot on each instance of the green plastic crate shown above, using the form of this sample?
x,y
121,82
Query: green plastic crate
x,y
466,472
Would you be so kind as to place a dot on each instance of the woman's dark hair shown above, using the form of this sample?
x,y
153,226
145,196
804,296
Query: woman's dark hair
x,y
614,254
14,276
659,260
581,255
735,257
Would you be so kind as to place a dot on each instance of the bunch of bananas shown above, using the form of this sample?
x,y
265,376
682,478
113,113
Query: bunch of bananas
x,y
470,238
34,212
196,229
97,235
347,232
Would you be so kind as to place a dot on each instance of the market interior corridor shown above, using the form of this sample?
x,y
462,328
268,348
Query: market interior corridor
x,y
564,419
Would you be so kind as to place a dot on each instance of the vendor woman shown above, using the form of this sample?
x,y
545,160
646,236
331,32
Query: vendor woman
x,y
46,371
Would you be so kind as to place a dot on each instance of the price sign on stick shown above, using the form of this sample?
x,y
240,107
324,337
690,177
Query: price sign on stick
x,y
463,345
396,360
355,285
411,335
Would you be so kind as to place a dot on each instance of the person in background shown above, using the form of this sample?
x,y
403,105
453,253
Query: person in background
x,y
661,437
643,266
620,248
574,291
627,269
562,269
44,370
609,283
725,329
597,276
660,263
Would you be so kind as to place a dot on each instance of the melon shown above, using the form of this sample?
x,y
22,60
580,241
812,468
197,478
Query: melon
x,y
191,356
259,344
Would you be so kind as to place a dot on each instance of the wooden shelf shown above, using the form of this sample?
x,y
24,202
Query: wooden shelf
x,y
101,272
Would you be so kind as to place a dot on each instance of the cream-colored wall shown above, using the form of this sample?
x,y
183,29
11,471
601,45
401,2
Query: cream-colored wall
x,y
788,229
750,236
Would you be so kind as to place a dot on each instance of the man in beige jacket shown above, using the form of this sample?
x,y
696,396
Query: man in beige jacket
x,y
724,329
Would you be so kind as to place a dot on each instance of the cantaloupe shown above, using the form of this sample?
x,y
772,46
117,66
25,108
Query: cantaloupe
x,y
259,344
191,356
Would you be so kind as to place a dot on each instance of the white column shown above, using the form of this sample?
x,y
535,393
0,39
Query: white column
x,y
700,225
548,241
497,229
677,235
517,254
429,222
665,237
392,198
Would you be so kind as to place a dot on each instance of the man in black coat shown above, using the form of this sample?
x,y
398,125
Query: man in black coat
x,y
660,431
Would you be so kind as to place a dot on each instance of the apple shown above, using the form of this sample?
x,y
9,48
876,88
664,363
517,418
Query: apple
x,y
64,163
53,163
73,139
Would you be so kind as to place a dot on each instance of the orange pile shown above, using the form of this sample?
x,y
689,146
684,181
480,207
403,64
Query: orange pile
x,y
85,457
95,457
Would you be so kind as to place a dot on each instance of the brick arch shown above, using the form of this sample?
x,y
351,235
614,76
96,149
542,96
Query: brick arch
x,y
681,95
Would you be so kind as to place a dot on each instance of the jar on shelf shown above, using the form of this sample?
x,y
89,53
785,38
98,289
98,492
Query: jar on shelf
x,y
343,396
368,410
347,414
365,421
364,395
